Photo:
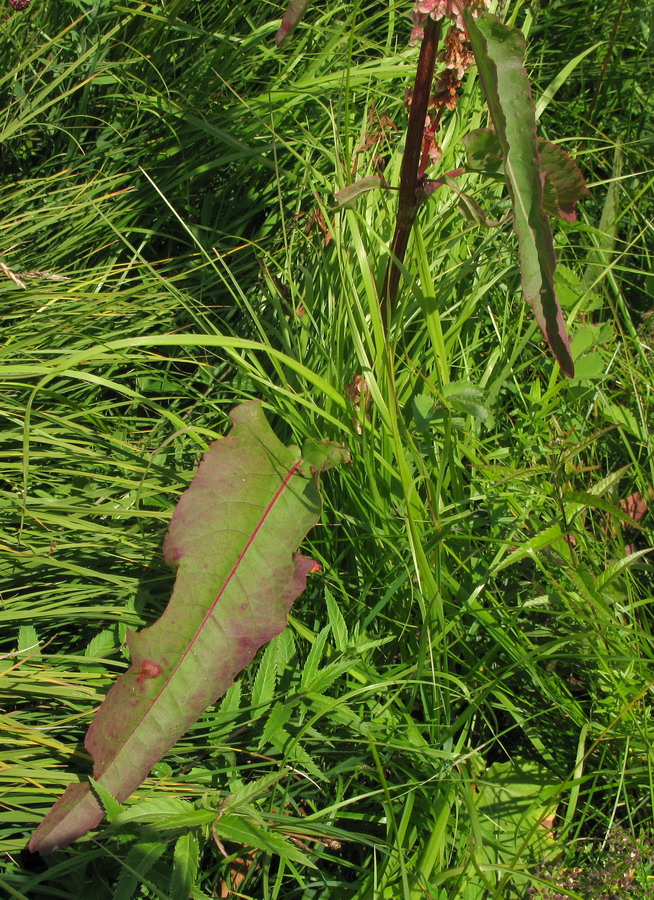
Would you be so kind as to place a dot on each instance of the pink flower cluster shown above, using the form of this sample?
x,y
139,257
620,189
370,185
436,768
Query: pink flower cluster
x,y
440,9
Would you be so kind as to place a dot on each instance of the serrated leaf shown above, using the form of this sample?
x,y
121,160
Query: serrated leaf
x,y
140,859
155,810
186,858
347,195
248,834
466,398
102,644
337,622
231,702
534,545
274,727
28,640
249,792
112,808
232,539
499,52
314,659
263,689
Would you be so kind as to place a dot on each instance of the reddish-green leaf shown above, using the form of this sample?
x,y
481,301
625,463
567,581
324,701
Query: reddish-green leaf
x,y
232,539
292,15
564,184
499,53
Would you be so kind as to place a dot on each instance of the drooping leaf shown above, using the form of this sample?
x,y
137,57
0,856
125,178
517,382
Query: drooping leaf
x,y
469,208
232,539
483,151
350,192
499,52
564,184
292,15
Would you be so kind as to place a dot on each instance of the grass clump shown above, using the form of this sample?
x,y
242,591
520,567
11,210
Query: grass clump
x,y
461,704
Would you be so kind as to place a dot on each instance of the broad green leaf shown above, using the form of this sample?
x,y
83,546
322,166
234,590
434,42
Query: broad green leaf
x,y
499,52
515,799
232,540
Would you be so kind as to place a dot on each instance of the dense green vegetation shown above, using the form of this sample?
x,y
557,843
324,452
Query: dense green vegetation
x,y
460,706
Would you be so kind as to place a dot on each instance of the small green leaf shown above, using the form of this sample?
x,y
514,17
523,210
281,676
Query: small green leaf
x,y
319,456
186,858
28,640
266,678
102,644
111,806
589,367
423,411
314,659
337,623
466,398
347,195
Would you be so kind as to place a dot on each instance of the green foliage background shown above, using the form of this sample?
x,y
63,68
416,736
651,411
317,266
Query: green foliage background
x,y
476,654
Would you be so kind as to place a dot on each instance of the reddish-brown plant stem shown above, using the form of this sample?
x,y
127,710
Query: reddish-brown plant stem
x,y
408,201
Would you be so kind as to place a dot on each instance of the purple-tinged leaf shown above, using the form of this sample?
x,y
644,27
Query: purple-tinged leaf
x,y
499,52
564,184
232,539
292,15
350,192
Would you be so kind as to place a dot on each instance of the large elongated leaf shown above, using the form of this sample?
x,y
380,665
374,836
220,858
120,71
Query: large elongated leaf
x,y
232,539
499,52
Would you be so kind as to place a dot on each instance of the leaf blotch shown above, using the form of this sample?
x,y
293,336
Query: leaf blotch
x,y
149,669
